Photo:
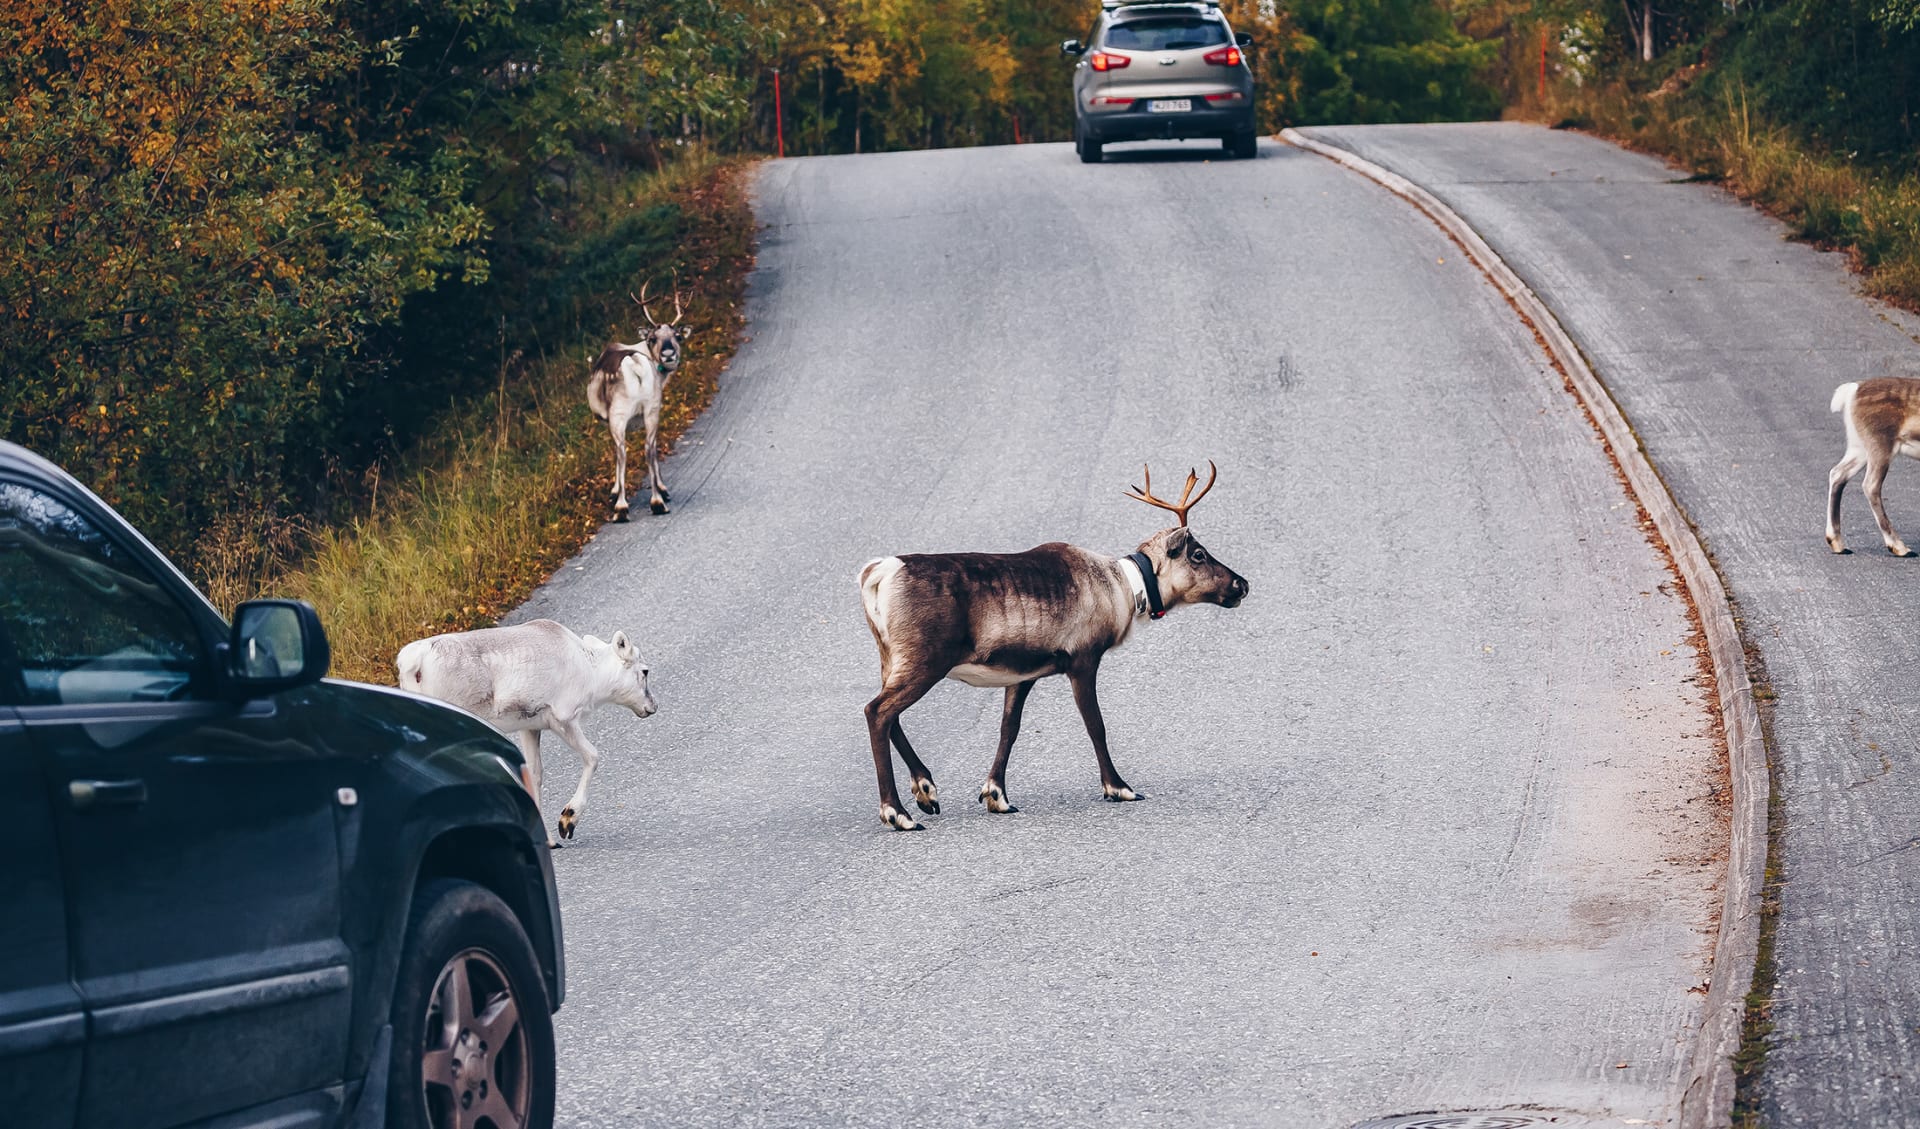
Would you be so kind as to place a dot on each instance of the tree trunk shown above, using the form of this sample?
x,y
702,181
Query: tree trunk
x,y
1641,46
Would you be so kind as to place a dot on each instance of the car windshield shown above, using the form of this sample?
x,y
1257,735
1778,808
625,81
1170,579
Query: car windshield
x,y
1179,33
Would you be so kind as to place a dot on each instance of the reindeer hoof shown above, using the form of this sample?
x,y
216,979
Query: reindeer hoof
x,y
657,506
664,496
897,819
1120,795
567,822
552,845
619,513
1899,549
927,796
995,798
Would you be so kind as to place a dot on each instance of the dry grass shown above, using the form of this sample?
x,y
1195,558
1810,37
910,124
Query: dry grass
x,y
507,488
1872,214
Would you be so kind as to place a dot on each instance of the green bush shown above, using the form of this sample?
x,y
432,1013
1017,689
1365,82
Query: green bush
x,y
1389,61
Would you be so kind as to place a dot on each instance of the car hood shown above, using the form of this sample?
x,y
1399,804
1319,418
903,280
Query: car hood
x,y
367,721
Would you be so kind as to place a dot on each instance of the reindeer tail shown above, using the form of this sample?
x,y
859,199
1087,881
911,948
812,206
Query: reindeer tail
x,y
1843,396
873,575
411,662
597,393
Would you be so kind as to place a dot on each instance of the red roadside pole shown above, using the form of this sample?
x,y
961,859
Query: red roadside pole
x,y
779,124
1543,65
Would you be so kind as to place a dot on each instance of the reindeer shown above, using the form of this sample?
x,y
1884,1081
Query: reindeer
x,y
1010,619
531,677
630,379
1882,417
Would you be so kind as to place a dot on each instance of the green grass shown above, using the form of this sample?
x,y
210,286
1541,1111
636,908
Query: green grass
x,y
503,489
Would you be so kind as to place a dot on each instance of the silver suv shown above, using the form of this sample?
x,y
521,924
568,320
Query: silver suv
x,y
1161,70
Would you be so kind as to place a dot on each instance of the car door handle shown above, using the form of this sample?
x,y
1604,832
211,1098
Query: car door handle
x,y
102,793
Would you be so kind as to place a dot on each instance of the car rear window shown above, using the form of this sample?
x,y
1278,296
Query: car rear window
x,y
1167,33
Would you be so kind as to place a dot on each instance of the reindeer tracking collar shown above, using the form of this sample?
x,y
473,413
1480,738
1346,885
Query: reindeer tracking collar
x,y
1144,585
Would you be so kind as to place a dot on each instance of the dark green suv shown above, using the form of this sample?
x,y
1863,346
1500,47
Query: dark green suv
x,y
235,894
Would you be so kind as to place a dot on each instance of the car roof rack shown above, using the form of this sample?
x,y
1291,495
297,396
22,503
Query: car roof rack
x,y
1110,5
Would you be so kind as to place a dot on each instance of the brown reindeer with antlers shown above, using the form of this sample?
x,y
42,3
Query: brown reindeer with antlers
x,y
632,379
1009,619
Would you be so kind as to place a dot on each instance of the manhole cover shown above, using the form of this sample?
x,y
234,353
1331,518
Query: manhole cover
x,y
1477,1119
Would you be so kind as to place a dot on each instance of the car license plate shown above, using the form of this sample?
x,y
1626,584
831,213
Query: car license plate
x,y
1169,105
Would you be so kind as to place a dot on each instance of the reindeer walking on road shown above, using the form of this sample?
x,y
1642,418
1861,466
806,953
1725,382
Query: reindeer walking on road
x,y
1882,418
629,380
1010,619
531,677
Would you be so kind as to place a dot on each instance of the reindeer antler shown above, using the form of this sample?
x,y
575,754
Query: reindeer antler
x,y
678,313
641,302
1180,508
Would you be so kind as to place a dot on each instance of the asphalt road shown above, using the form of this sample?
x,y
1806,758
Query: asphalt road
x,y
1723,342
1431,818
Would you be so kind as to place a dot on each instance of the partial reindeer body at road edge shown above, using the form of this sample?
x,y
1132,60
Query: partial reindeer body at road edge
x,y
629,380
1009,619
531,677
1882,418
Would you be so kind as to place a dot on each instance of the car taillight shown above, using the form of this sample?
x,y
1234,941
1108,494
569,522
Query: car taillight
x,y
1102,61
1224,57
1229,96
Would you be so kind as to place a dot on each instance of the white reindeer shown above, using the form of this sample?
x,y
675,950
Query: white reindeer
x,y
531,677
632,379
1882,417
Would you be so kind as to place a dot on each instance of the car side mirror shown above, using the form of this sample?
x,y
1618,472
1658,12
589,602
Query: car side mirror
x,y
1073,47
276,645
1242,39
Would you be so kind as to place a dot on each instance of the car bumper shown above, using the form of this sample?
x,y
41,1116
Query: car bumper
x,y
1137,124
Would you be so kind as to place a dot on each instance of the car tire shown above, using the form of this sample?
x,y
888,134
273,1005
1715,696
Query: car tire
x,y
467,953
1085,146
1244,146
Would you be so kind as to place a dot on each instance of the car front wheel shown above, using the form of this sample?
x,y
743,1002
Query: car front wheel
x,y
472,1032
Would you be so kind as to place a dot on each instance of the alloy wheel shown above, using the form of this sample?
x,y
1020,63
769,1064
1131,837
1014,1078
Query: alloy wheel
x,y
474,1067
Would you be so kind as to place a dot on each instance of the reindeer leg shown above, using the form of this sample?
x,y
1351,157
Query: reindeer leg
x,y
1870,485
529,742
994,792
659,501
1084,696
659,482
571,732
1848,466
617,419
882,712
924,793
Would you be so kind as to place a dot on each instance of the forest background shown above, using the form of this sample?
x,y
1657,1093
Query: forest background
x,y
259,256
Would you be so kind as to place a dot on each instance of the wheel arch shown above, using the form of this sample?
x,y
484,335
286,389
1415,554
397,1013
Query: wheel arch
x,y
508,866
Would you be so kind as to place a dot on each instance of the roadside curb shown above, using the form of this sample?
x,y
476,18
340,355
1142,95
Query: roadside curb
x,y
1708,1097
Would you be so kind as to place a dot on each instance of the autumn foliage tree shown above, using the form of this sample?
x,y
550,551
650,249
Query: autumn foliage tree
x,y
190,256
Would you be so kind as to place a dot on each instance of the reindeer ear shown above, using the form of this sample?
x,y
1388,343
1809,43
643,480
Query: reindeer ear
x,y
621,647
